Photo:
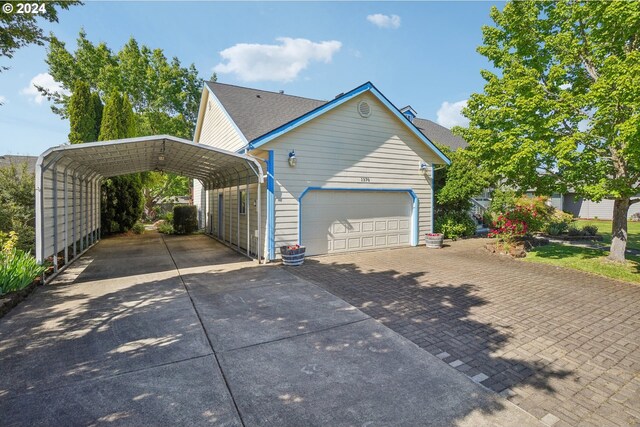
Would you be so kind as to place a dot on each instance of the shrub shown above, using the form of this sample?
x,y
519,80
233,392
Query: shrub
x,y
17,204
185,219
165,228
455,224
138,228
540,211
574,231
556,228
590,230
501,201
17,268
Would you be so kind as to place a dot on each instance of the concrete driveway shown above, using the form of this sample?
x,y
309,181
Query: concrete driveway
x,y
147,330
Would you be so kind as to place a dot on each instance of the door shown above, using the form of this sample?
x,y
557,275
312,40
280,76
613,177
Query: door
x,y
220,216
343,221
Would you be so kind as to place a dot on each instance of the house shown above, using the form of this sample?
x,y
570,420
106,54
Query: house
x,y
352,173
583,208
17,161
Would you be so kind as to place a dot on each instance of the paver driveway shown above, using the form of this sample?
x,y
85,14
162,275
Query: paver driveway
x,y
182,331
564,344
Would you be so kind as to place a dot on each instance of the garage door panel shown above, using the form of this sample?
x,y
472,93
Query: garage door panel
x,y
340,221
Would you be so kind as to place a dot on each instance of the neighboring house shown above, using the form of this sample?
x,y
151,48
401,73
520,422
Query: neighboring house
x,y
353,173
18,161
582,208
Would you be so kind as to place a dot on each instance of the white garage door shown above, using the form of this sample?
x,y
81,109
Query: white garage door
x,y
342,221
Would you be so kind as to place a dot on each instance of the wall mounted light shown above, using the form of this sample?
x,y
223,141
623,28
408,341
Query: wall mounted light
x,y
292,158
424,167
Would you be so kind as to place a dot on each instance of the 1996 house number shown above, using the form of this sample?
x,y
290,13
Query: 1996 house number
x,y
364,179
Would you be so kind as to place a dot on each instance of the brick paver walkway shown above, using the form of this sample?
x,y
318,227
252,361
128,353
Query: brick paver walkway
x,y
564,345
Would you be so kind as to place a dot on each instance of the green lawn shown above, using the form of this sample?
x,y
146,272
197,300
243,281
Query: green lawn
x,y
585,259
604,228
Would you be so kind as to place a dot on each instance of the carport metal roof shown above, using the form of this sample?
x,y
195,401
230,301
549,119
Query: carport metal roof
x,y
68,178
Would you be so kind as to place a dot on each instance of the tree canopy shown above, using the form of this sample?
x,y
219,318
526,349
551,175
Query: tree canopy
x,y
562,109
164,95
21,29
82,115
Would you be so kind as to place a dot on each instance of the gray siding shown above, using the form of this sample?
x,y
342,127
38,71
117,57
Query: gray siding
x,y
581,208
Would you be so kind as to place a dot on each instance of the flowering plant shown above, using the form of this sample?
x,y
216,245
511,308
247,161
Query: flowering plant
x,y
293,247
514,223
434,234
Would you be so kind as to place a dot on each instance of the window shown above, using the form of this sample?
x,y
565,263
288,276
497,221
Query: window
x,y
242,202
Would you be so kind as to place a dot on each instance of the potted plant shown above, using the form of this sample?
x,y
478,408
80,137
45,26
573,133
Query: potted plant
x,y
434,240
292,255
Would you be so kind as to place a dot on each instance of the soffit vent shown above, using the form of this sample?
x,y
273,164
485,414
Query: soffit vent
x,y
364,109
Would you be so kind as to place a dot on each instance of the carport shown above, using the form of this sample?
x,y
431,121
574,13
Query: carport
x,y
68,180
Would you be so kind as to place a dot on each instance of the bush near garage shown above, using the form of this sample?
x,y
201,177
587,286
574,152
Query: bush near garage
x,y
455,224
185,219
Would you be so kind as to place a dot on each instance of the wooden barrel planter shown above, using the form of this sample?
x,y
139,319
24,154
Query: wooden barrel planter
x,y
292,255
434,240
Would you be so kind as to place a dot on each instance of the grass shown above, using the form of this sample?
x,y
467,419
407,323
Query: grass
x,y
604,228
585,259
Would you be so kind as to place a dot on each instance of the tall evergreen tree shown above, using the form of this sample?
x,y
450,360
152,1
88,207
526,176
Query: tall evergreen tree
x,y
82,114
97,109
122,198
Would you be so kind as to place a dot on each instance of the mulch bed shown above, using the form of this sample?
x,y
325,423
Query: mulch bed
x,y
568,238
11,299
517,249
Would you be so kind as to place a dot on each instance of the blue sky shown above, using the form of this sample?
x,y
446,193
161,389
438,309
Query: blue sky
x,y
417,53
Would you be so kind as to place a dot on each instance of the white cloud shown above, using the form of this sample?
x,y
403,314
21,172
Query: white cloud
x,y
3,99
385,21
44,80
450,114
275,62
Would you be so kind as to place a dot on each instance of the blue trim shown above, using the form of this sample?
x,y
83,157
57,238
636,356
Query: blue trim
x,y
271,208
433,197
415,232
339,101
261,140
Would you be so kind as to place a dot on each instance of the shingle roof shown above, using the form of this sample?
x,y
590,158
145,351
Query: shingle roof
x,y
257,112
439,134
7,160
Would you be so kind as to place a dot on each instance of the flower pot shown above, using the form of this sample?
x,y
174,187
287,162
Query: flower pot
x,y
292,257
433,240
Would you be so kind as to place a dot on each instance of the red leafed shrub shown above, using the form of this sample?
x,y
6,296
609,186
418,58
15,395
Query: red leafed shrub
x,y
516,222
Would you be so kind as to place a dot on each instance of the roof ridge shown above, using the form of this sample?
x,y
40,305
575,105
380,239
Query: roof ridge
x,y
268,91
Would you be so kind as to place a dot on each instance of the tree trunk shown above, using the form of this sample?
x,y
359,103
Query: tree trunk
x,y
619,230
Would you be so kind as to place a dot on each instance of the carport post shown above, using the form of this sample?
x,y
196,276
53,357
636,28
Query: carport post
x,y
259,221
238,209
66,217
90,222
75,223
247,210
80,184
230,218
55,217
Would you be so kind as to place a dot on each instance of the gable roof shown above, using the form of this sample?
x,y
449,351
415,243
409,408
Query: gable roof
x,y
258,113
440,134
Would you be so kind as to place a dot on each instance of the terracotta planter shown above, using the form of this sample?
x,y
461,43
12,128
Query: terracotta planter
x,y
433,240
292,257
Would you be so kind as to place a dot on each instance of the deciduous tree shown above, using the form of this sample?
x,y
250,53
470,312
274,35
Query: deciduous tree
x,y
21,29
562,109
